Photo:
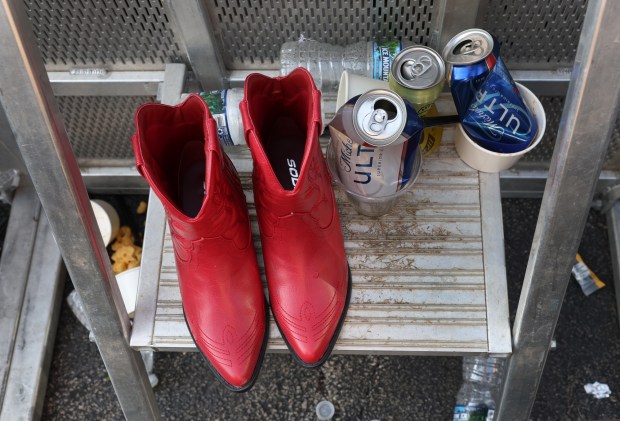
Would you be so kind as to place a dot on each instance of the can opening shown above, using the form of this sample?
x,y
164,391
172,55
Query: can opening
x,y
388,107
467,47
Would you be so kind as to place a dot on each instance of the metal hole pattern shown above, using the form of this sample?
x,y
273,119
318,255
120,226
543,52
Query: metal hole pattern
x,y
535,33
115,34
100,127
250,33
553,110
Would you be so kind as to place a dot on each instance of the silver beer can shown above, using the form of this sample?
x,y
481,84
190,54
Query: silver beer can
x,y
375,137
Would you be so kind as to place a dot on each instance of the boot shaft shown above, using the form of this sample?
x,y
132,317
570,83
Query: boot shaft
x,y
303,248
282,121
177,150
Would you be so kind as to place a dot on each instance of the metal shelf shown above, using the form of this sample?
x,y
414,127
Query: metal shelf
x,y
429,278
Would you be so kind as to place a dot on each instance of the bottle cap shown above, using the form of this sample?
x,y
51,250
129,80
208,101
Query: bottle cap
x,y
325,410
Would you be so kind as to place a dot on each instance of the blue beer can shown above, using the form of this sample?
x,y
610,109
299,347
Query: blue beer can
x,y
487,100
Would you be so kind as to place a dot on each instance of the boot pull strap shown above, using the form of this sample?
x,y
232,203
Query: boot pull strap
x,y
216,149
248,128
245,119
316,110
138,154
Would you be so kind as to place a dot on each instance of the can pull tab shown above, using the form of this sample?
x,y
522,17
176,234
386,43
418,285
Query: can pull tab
x,y
469,47
414,68
378,120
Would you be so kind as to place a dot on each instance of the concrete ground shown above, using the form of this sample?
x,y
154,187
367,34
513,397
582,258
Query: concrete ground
x,y
367,387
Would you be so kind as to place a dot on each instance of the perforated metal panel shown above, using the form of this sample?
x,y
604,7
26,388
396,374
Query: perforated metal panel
x,y
116,34
535,34
100,127
542,153
250,33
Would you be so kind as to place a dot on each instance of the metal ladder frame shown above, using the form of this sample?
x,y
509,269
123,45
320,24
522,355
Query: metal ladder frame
x,y
32,113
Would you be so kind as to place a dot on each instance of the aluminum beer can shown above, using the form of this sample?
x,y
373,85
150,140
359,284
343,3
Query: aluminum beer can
x,y
382,118
491,110
469,57
417,74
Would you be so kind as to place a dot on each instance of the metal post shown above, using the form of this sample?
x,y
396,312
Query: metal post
x,y
27,373
613,231
583,136
27,98
14,268
193,26
10,157
458,15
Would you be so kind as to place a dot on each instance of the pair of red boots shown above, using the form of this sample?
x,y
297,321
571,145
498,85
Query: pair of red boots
x,y
178,152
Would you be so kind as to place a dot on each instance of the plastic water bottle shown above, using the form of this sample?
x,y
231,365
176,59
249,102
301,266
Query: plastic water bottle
x,y
326,62
476,400
224,107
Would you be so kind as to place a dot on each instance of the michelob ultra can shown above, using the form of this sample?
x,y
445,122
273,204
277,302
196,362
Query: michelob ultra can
x,y
417,74
470,56
488,102
375,137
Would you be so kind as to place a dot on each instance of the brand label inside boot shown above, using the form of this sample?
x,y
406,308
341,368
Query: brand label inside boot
x,y
292,171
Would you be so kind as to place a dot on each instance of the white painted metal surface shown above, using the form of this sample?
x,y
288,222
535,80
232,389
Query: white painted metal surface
x,y
421,284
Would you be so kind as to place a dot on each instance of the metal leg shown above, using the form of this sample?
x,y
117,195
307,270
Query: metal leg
x,y
14,268
32,354
613,227
9,153
193,24
33,116
458,15
589,113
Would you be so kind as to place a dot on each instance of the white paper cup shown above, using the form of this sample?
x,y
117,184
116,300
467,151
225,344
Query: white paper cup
x,y
128,284
484,160
352,85
107,220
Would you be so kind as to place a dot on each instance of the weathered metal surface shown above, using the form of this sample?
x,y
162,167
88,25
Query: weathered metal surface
x,y
419,280
27,371
14,268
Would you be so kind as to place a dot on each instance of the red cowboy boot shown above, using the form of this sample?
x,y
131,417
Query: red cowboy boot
x,y
178,152
305,263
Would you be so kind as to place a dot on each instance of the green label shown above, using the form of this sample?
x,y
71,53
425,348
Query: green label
x,y
215,101
383,54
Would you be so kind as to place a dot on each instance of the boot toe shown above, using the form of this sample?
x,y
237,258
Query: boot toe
x,y
309,328
234,355
310,353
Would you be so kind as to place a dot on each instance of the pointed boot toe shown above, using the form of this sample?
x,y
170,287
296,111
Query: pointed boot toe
x,y
303,249
310,321
178,152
